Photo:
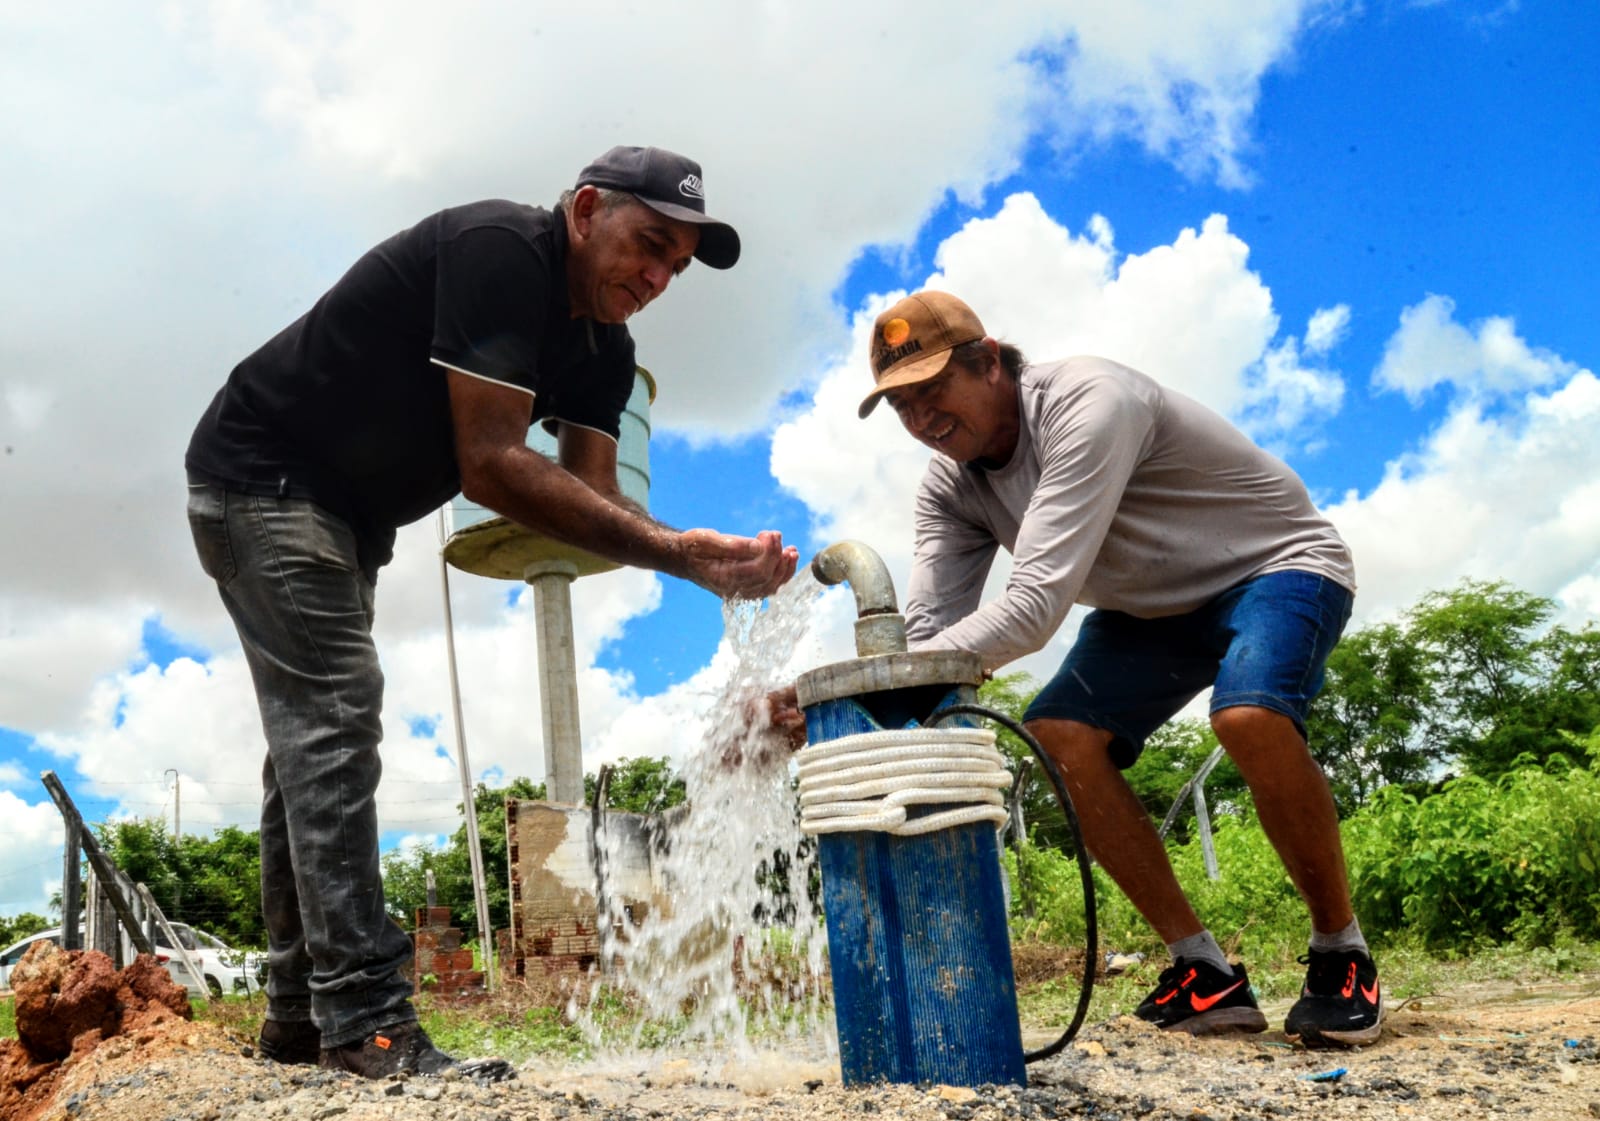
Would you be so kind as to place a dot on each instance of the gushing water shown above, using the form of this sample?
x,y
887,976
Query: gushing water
x,y
738,949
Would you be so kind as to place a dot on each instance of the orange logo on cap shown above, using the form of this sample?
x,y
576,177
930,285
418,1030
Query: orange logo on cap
x,y
896,331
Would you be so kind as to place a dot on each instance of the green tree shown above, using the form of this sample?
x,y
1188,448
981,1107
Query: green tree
x,y
1171,756
212,882
642,785
1504,689
20,926
223,889
1370,725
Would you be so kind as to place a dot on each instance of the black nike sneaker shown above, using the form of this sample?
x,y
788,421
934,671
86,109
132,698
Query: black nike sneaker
x,y
1340,1004
1198,998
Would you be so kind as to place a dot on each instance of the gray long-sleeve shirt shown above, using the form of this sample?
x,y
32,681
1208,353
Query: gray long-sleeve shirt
x,y
1120,494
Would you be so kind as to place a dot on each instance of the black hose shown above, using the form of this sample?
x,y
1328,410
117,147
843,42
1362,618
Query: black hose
x,y
1092,949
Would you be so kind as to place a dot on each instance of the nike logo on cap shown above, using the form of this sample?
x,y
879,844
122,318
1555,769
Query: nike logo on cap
x,y
691,188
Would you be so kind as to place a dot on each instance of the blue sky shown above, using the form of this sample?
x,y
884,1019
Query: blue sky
x,y
1364,230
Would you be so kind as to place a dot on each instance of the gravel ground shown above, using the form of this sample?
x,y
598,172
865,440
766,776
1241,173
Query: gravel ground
x,y
1524,1053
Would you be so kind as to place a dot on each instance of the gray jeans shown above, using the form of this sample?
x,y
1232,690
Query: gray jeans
x,y
287,573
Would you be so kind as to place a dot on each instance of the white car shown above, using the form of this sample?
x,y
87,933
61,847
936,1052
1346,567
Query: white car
x,y
13,953
225,970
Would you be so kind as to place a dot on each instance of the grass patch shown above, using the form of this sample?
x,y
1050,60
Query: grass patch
x,y
8,1018
514,1023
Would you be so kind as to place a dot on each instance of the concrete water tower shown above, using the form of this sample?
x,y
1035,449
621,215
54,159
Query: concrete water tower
x,y
485,544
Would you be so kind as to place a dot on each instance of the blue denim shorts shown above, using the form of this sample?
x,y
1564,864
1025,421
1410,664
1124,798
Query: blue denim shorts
x,y
1262,643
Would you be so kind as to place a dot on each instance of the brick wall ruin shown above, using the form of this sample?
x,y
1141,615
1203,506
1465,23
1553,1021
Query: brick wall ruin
x,y
554,907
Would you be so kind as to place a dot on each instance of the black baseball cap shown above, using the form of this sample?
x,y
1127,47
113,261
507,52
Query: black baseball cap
x,y
669,184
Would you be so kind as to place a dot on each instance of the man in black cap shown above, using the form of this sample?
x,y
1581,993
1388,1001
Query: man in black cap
x,y
415,377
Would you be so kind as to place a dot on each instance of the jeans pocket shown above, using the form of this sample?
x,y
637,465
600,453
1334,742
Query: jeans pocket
x,y
323,536
208,522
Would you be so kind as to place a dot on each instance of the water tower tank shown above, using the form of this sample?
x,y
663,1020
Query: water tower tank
x,y
486,544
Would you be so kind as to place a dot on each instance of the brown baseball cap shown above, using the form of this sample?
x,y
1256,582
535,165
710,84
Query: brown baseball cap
x,y
911,341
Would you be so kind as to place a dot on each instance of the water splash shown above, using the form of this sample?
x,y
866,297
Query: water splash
x,y
739,950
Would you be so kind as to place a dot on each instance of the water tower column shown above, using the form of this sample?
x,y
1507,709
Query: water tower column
x,y
558,678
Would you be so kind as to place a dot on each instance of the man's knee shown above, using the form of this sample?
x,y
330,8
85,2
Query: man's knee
x,y
1080,750
1244,725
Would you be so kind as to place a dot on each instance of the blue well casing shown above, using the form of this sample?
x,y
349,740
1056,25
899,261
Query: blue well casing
x,y
918,946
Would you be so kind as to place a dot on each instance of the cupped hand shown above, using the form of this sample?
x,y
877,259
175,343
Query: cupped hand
x,y
738,567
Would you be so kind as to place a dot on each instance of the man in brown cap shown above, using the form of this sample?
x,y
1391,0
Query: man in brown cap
x,y
1207,566
414,378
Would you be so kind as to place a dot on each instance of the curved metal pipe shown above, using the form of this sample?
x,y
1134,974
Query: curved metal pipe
x,y
880,628
858,565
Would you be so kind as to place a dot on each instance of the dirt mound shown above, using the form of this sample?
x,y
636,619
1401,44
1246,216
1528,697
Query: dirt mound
x,y
1035,961
68,1002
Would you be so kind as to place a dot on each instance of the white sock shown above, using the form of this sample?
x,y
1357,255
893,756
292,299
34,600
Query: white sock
x,y
1350,938
1200,947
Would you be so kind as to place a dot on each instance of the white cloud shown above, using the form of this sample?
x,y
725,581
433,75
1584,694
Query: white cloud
x,y
1431,348
1327,328
1183,79
1283,394
30,837
54,655
1503,494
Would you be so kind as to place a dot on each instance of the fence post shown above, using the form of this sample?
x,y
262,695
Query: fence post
x,y
98,860
1195,789
1019,835
71,887
153,909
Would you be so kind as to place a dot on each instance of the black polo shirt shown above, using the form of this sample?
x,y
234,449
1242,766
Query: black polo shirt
x,y
348,405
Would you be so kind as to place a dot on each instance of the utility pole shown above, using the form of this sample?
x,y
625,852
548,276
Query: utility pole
x,y
469,804
177,829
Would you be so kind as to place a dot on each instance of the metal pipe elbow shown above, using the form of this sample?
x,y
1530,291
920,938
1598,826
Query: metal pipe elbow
x,y
860,566
880,628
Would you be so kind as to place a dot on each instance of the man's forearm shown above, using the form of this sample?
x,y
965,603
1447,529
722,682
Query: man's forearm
x,y
535,492
617,498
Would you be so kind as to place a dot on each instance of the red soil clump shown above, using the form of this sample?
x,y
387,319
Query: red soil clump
x,y
68,1002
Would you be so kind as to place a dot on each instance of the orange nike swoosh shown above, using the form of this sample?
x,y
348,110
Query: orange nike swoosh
x,y
1371,994
1201,1003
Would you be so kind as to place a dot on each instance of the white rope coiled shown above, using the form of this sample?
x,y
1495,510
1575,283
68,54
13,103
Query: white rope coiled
x,y
865,782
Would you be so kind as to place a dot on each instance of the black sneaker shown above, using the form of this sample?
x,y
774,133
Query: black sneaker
x,y
1198,998
1340,1005
290,1041
406,1049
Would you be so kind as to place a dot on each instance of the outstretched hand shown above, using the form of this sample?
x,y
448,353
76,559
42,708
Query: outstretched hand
x,y
738,567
